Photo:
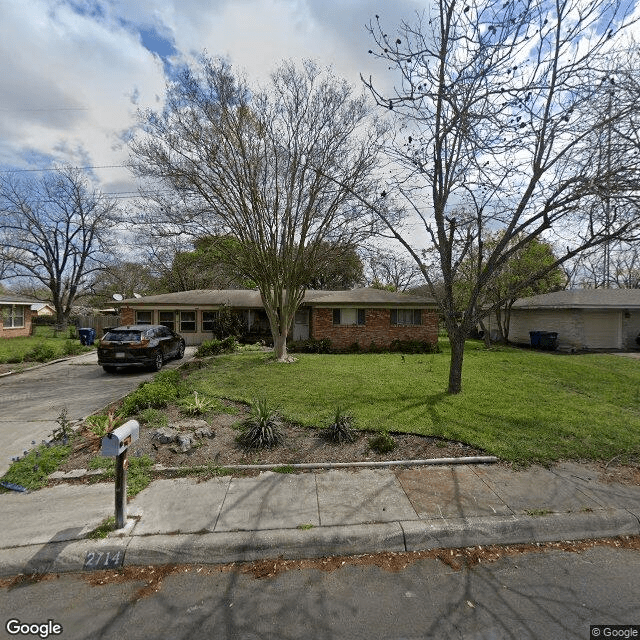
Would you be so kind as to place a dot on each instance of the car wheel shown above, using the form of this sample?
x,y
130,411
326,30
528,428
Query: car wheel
x,y
180,353
108,369
158,362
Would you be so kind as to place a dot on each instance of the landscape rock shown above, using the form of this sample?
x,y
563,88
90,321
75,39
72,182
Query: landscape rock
x,y
165,435
185,443
204,432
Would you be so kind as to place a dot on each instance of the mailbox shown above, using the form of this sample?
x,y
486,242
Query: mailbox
x,y
116,442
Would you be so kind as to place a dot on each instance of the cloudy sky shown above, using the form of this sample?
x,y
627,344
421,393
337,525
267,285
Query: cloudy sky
x,y
74,72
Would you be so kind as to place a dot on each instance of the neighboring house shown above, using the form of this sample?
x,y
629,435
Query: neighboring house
x,y
363,315
591,319
15,315
43,309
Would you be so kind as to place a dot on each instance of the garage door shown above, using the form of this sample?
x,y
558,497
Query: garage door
x,y
602,330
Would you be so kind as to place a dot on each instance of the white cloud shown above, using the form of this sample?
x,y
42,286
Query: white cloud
x,y
75,71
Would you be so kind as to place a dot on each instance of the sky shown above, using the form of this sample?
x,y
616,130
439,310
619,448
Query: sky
x,y
75,72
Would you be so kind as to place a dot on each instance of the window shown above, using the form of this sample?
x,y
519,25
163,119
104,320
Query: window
x,y
13,316
208,320
144,317
349,316
168,319
188,321
406,317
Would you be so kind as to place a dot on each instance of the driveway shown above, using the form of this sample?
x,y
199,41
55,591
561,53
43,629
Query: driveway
x,y
31,401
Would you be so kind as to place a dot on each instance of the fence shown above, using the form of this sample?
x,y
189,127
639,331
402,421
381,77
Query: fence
x,y
99,323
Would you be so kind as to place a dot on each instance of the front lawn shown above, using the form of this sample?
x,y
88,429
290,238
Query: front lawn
x,y
41,347
520,405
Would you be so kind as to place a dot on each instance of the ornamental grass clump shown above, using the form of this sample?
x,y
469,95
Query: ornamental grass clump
x,y
262,429
382,443
341,429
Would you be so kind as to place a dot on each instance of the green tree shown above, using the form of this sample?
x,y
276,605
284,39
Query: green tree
x,y
518,278
206,267
338,267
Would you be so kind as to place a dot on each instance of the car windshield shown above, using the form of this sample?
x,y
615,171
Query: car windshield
x,y
122,336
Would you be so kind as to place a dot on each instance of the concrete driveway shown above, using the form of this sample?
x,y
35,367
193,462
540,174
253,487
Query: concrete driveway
x,y
31,401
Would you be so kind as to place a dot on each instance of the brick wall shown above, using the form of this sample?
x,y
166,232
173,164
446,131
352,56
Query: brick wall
x,y
377,328
127,316
18,332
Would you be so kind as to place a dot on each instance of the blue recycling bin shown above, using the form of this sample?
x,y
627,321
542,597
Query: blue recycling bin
x,y
548,340
87,335
535,338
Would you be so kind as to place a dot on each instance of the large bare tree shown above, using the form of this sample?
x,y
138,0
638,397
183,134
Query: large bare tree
x,y
56,232
275,168
507,123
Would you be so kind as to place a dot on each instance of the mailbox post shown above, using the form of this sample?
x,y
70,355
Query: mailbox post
x,y
116,444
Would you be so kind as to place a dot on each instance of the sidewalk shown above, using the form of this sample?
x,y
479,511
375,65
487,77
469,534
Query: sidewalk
x,y
306,515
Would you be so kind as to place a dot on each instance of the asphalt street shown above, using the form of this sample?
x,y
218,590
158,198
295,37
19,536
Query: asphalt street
x,y
553,594
30,402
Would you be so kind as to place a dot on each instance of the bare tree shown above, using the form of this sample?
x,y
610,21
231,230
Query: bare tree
x,y
506,123
57,230
274,168
388,270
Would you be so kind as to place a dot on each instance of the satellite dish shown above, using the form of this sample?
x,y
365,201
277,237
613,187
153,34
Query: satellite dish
x,y
137,295
118,296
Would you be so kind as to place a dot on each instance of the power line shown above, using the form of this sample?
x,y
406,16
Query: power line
x,y
106,166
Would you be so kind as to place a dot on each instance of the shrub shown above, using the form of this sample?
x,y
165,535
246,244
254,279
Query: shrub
x,y
311,345
382,443
340,430
42,352
215,347
159,392
73,348
262,428
414,346
154,418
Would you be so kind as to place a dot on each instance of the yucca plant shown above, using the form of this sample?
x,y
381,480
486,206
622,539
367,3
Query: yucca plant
x,y
197,405
341,429
262,428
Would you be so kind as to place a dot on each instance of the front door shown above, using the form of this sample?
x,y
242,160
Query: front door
x,y
301,325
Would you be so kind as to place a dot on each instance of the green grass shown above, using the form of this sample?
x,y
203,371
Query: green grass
x,y
41,347
138,472
520,405
32,470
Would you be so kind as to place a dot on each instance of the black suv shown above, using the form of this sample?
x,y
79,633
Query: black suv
x,y
139,345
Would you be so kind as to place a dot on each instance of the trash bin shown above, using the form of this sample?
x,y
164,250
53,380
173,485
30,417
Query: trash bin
x,y
87,335
548,340
535,338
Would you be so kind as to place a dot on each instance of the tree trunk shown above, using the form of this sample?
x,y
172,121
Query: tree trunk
x,y
456,340
486,334
280,346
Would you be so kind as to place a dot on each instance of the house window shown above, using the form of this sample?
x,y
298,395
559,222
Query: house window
x,y
13,317
167,319
144,317
406,317
349,316
187,321
208,320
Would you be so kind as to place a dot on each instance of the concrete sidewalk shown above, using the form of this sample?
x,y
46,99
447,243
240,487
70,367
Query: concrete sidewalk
x,y
310,515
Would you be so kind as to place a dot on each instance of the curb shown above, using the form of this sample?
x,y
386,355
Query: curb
x,y
295,544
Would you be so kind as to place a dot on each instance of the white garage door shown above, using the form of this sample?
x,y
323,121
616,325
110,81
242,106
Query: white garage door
x,y
602,330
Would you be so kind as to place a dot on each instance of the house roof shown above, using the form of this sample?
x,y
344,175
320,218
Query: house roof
x,y
583,299
250,298
11,298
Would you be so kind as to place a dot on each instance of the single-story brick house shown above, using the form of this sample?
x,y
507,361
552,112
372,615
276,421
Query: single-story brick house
x,y
345,317
584,319
15,315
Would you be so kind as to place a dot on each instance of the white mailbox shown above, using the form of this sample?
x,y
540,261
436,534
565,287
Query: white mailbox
x,y
116,442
